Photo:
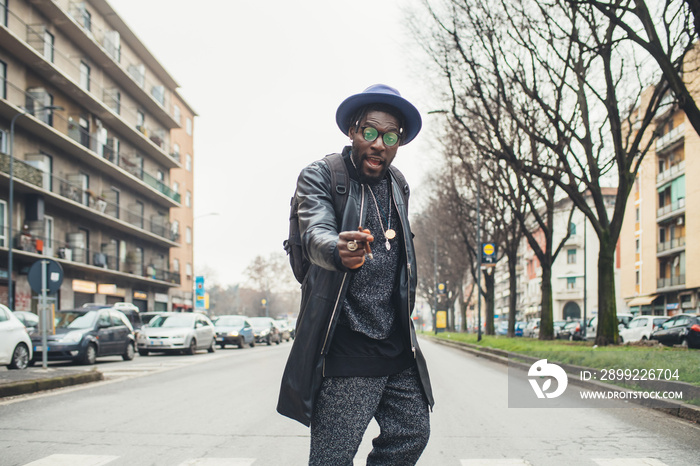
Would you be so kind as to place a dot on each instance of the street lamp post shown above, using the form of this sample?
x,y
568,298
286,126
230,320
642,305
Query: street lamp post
x,y
24,111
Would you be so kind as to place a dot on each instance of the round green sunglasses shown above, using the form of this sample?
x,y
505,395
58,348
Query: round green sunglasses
x,y
390,138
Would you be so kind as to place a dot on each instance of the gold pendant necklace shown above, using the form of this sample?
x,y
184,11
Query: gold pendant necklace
x,y
389,233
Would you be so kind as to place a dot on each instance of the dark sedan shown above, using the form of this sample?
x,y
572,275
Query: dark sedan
x,y
234,330
571,331
265,330
683,330
83,335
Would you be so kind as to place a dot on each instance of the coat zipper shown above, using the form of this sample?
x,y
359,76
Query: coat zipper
x,y
340,292
408,268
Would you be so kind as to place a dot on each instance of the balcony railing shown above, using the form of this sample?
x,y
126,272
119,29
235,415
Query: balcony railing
x,y
156,224
673,244
107,40
671,137
30,242
121,156
671,172
678,280
672,207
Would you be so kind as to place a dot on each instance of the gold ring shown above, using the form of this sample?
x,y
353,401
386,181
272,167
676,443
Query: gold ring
x,y
352,245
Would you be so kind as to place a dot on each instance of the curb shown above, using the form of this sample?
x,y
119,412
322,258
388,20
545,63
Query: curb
x,y
682,410
49,383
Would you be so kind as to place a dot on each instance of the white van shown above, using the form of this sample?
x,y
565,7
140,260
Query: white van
x,y
623,319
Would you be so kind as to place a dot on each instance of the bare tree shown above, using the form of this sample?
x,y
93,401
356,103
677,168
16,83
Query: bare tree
x,y
562,76
667,31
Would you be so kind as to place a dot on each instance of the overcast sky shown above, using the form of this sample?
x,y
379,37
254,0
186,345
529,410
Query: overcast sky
x,y
266,77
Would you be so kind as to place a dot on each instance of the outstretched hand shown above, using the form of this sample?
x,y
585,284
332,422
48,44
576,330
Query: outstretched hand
x,y
354,259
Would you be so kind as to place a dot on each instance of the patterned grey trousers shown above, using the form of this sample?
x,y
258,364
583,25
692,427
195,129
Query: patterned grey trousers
x,y
346,405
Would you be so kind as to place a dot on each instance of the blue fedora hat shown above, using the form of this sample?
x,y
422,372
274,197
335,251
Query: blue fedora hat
x,y
380,94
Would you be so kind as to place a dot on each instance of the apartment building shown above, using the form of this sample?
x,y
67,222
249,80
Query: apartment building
x,y
661,230
97,126
574,272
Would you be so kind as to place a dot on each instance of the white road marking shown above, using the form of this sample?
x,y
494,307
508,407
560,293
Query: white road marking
x,y
73,460
628,462
219,462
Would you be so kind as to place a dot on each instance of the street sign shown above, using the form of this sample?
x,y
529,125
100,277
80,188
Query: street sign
x,y
488,253
54,276
441,319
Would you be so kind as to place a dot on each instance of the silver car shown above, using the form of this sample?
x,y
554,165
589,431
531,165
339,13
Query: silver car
x,y
184,332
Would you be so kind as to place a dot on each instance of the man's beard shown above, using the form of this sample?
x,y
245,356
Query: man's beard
x,y
365,178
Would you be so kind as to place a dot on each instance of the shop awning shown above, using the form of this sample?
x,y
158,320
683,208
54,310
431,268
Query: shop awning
x,y
642,300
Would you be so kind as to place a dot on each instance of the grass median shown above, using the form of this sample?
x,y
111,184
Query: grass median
x,y
681,364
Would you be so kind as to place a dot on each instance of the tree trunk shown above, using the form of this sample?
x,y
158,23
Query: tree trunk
x,y
489,280
607,332
546,314
513,298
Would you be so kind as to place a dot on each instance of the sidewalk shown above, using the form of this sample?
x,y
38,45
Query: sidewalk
x,y
35,379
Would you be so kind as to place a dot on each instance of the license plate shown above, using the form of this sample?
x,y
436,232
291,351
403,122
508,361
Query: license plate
x,y
219,338
40,348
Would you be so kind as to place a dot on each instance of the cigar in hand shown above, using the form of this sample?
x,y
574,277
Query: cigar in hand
x,y
368,249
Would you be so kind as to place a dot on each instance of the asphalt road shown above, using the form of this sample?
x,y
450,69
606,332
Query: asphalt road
x,y
219,410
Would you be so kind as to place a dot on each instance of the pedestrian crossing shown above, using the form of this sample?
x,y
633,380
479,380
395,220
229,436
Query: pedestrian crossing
x,y
100,460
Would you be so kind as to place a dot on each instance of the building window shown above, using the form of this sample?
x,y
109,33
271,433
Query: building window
x,y
48,45
637,214
176,151
188,162
176,265
188,270
86,18
188,235
3,12
572,228
113,99
636,277
84,75
637,246
571,256
3,78
176,114
188,199
188,126
4,141
141,121
571,283
3,223
160,176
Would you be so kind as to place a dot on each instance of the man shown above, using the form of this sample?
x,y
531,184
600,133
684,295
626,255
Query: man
x,y
355,356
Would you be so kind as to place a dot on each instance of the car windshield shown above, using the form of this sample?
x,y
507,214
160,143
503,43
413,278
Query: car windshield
x,y
230,321
171,321
76,319
260,322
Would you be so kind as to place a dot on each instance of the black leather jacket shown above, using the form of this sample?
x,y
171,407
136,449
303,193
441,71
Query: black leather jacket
x,y
326,283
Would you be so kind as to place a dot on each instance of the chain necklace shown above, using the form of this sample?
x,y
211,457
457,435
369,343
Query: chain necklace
x,y
389,233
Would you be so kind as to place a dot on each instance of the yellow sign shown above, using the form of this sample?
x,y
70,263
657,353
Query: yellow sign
x,y
83,286
488,249
441,319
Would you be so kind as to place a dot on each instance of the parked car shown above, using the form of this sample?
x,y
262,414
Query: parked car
x,y
184,332
571,331
532,328
29,319
146,317
265,330
640,328
131,312
502,328
84,334
683,329
558,325
283,329
519,327
15,344
233,330
293,327
592,328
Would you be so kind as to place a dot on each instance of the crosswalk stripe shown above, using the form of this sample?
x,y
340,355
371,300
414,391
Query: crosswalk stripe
x,y
628,462
495,462
73,460
219,462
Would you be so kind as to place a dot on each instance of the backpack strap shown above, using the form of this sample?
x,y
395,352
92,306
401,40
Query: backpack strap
x,y
339,183
401,180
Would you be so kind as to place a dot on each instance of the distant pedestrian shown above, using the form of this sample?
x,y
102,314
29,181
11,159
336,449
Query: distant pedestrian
x,y
355,356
